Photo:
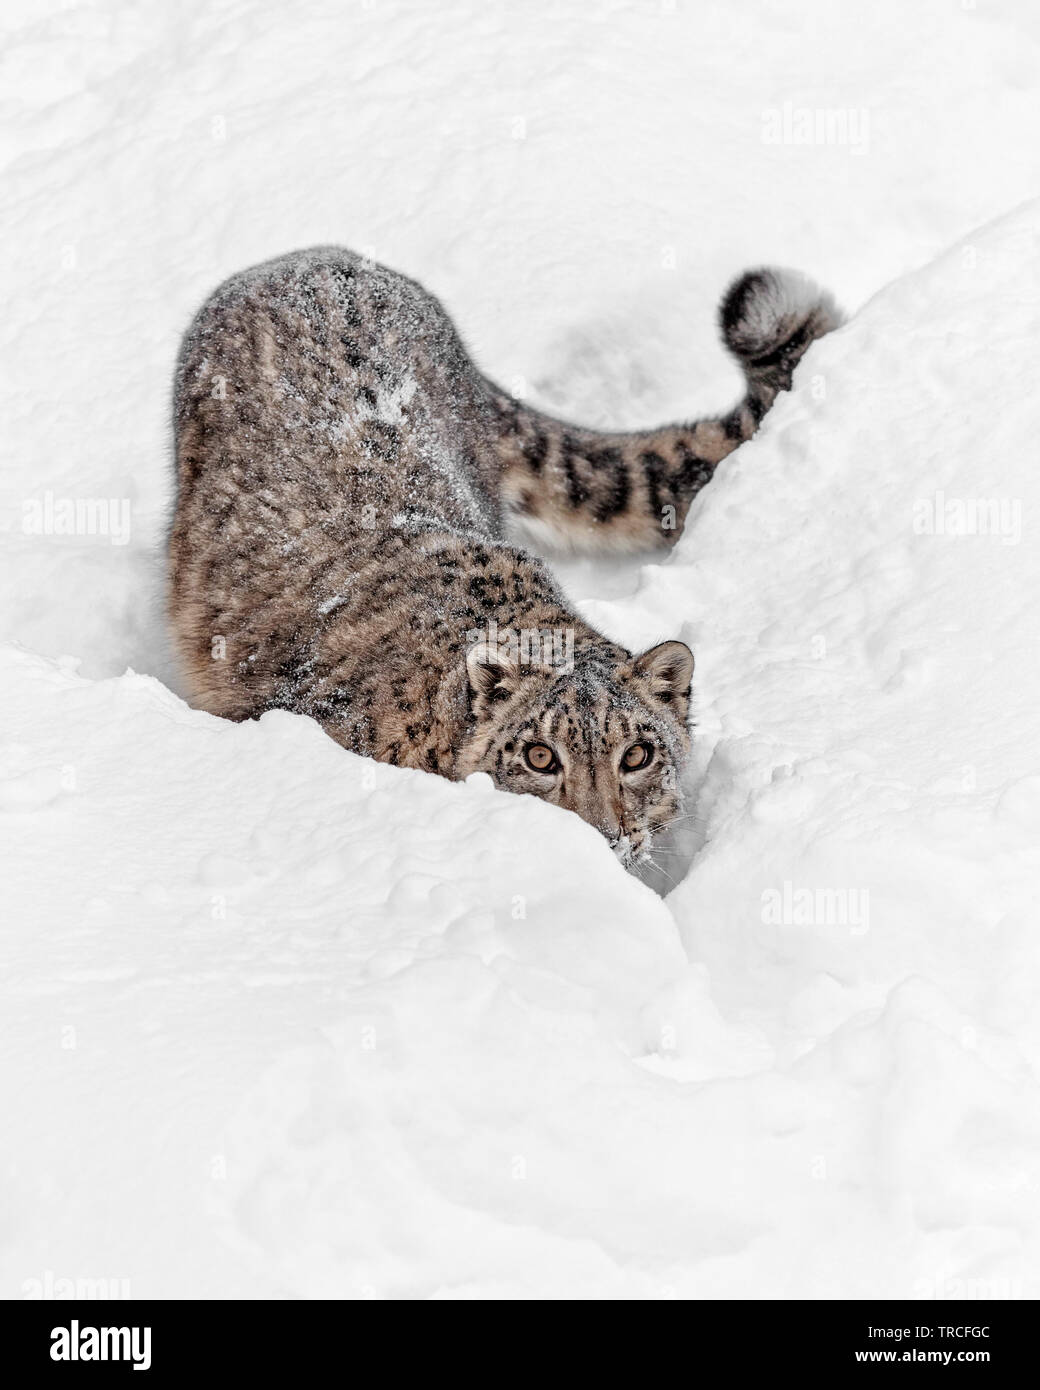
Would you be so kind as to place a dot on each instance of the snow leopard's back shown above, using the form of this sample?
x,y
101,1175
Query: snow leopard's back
x,y
326,374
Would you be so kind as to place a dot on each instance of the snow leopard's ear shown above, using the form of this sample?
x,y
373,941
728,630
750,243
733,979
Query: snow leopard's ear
x,y
492,674
668,668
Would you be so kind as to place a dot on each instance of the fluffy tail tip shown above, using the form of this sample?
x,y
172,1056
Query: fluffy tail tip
x,y
766,311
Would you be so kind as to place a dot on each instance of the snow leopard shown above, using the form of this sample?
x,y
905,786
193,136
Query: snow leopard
x,y
351,539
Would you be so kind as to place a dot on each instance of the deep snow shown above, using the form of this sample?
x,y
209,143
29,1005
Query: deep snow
x,y
278,1020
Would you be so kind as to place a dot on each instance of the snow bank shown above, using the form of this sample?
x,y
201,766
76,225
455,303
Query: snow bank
x,y
190,900
308,1025
865,889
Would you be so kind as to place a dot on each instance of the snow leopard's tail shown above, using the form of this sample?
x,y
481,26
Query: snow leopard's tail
x,y
577,489
768,318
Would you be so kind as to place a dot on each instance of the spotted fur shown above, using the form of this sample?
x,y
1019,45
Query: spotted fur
x,y
345,481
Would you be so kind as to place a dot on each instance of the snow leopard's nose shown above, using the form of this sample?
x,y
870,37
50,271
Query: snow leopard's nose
x,y
585,794
608,823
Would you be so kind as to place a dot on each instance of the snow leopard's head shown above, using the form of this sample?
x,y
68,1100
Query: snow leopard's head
x,y
602,733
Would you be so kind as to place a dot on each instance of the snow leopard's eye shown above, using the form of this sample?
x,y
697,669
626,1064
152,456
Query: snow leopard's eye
x,y
540,757
639,755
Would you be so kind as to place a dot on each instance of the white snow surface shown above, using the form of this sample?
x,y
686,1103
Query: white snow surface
x,y
280,1021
